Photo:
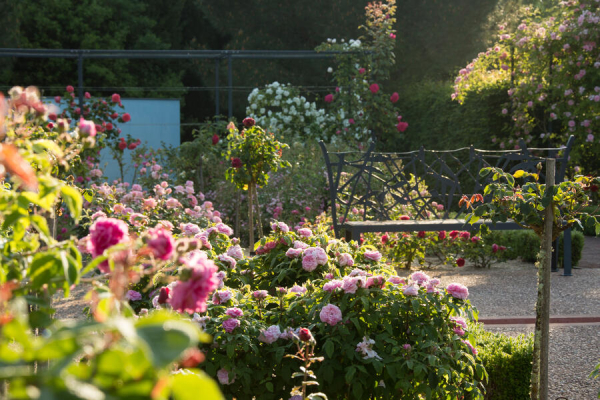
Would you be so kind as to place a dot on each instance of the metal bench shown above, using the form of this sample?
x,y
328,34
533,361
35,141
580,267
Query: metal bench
x,y
428,182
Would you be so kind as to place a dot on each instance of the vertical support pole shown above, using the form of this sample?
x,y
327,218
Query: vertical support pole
x,y
80,79
229,86
567,256
217,99
539,373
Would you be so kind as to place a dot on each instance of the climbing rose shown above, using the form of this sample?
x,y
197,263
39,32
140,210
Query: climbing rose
x,y
70,89
115,98
270,335
161,242
105,233
87,128
458,291
394,97
190,295
328,98
402,126
374,88
215,139
126,117
331,314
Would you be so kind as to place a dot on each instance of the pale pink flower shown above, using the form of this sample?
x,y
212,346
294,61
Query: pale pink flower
x,y
235,252
318,253
230,324
98,214
300,245
165,225
227,259
350,284
331,314
372,255
294,253
345,260
280,226
221,296
396,280
190,229
458,291
298,290
470,346
270,335
133,295
173,203
366,349
234,312
222,228
411,290
309,261
332,285
305,232
420,278
260,294
223,377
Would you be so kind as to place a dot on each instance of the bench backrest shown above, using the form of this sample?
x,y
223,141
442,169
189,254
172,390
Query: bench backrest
x,y
429,183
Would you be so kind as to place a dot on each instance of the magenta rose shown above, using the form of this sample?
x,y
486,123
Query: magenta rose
x,y
161,242
191,295
105,233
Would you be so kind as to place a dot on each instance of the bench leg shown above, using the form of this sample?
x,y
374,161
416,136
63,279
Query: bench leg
x,y
567,258
348,235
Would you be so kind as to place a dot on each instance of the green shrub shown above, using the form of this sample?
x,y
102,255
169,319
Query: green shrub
x,y
507,361
526,244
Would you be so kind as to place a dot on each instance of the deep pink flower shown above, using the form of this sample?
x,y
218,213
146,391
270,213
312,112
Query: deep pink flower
x,y
236,162
328,98
330,314
305,335
115,98
421,234
442,235
404,218
161,242
394,97
374,88
126,117
190,295
460,262
362,71
215,139
402,126
70,89
105,233
248,122
494,248
392,36
458,291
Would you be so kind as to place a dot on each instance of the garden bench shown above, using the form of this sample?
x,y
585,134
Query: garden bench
x,y
430,182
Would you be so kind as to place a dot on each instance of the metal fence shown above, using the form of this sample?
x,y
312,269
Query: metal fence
x,y
218,56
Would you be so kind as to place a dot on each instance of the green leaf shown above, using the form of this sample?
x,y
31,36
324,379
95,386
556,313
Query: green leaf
x,y
350,374
329,348
72,198
40,225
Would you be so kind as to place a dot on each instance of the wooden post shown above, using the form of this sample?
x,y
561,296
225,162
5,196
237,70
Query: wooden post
x,y
250,218
258,219
539,374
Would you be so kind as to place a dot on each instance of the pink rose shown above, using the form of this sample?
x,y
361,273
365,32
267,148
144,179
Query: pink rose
x,y
411,290
87,128
394,97
328,98
309,262
234,312
230,324
305,232
223,377
372,255
294,253
374,88
105,233
331,314
270,335
345,260
161,242
458,291
332,285
420,278
235,252
190,295
133,295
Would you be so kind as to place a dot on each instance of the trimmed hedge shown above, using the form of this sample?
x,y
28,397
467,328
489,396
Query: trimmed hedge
x,y
526,244
507,361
